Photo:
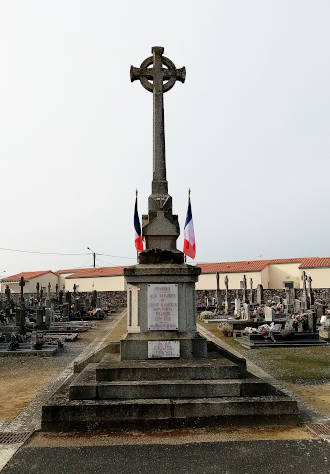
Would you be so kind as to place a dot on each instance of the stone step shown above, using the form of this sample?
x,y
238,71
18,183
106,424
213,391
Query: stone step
x,y
125,390
181,369
62,414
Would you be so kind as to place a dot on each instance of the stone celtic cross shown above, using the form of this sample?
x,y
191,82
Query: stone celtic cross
x,y
163,75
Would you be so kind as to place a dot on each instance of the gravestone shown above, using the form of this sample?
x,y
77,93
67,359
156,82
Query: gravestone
x,y
161,287
49,317
218,292
260,294
228,308
237,305
60,297
269,313
22,284
40,318
246,311
243,287
310,292
251,292
297,306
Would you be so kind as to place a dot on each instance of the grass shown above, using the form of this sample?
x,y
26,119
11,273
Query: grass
x,y
295,364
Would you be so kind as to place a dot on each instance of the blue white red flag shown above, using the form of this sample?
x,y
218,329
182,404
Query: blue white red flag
x,y
189,246
137,229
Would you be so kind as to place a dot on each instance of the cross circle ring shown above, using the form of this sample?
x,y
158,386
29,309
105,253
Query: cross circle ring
x,y
144,76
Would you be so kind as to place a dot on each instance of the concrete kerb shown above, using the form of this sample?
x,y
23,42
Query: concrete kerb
x,y
29,419
308,413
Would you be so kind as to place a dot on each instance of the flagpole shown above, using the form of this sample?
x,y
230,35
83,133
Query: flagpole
x,y
137,253
189,191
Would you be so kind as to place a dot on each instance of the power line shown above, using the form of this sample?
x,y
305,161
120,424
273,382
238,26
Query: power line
x,y
63,253
42,253
115,256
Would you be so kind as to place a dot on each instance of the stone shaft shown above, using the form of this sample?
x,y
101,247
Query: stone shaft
x,y
159,162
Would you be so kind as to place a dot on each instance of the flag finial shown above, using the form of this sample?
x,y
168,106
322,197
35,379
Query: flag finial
x,y
189,192
136,192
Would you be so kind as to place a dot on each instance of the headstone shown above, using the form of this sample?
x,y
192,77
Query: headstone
x,y
297,306
251,292
260,294
246,311
269,313
310,292
40,318
22,284
60,297
311,318
218,303
49,317
244,286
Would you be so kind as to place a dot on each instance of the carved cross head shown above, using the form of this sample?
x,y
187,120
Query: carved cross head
x,y
162,70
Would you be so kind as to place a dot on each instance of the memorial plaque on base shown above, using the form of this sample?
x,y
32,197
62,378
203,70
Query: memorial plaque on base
x,y
163,307
162,349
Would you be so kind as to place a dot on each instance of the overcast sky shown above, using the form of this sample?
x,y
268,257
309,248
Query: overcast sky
x,y
248,131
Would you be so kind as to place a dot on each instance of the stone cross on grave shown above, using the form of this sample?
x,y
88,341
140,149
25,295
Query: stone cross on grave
x,y
251,291
244,288
160,228
226,283
304,279
7,292
22,284
310,291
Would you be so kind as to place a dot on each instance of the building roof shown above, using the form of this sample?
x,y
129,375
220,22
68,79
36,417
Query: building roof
x,y
98,272
315,262
230,267
243,266
68,270
26,275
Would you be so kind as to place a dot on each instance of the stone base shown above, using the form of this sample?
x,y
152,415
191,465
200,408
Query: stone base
x,y
135,346
115,394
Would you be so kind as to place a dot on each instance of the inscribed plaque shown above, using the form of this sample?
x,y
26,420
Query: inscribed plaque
x,y
163,307
162,349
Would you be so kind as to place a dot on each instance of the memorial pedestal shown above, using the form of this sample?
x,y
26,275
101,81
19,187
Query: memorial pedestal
x,y
161,320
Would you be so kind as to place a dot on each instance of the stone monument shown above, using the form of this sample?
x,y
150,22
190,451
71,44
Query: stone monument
x,y
161,288
179,385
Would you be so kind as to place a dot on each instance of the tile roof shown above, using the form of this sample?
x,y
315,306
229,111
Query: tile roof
x,y
26,275
286,260
98,272
68,270
243,266
229,267
315,262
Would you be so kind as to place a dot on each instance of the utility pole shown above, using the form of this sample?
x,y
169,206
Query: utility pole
x,y
94,255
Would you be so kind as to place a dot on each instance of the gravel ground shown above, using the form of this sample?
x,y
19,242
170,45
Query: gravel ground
x,y
22,378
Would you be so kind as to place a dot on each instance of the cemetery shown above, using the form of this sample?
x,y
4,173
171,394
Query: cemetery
x,y
281,321
171,360
163,373
39,324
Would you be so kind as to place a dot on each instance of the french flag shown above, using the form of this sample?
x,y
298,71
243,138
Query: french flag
x,y
189,246
137,229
